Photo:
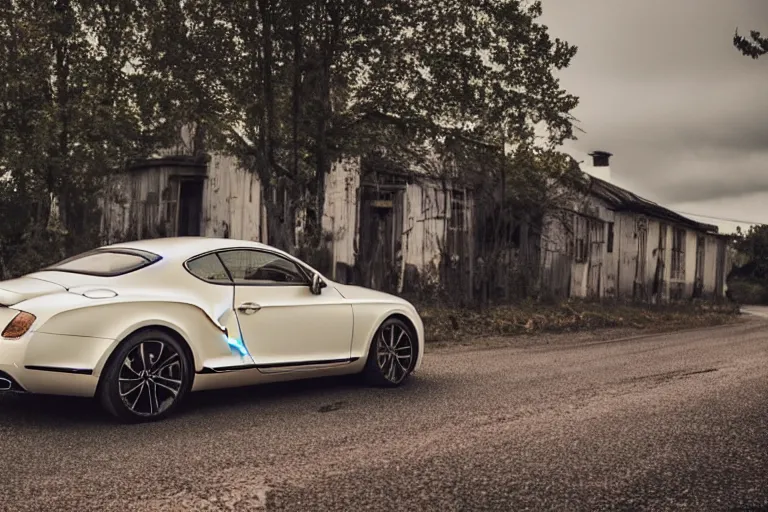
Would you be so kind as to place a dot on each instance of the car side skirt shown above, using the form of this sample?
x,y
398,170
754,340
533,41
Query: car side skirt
x,y
56,369
278,366
239,376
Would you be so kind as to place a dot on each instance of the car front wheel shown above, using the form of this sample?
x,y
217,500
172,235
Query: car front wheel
x,y
392,355
147,378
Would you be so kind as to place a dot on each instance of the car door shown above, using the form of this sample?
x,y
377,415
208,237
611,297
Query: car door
x,y
282,322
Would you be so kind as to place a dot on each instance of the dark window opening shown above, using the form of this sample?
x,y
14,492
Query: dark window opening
x,y
678,254
610,237
457,211
457,223
517,238
581,240
190,207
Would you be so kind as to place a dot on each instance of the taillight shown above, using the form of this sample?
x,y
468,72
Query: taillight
x,y
19,326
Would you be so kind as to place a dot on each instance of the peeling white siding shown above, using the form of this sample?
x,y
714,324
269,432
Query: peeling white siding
x,y
710,265
341,210
424,220
622,273
116,208
425,224
231,201
144,202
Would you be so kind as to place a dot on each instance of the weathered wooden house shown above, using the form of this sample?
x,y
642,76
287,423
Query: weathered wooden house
x,y
394,228
390,225
209,195
383,223
615,244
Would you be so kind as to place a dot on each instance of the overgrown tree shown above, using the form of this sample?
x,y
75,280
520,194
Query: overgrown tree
x,y
296,84
476,67
753,246
754,46
71,114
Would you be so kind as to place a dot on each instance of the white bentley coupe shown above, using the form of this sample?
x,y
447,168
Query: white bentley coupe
x,y
139,325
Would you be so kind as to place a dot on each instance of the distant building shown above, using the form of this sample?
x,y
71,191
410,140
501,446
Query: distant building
x,y
616,244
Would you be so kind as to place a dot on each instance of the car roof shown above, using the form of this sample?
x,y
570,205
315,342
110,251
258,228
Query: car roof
x,y
188,246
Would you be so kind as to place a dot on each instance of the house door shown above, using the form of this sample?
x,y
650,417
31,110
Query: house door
x,y
596,244
641,230
190,208
381,230
698,283
659,280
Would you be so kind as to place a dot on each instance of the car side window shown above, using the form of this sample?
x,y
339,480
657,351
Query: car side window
x,y
259,267
209,268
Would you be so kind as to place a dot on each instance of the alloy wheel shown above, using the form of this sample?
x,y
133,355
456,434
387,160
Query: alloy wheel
x,y
394,353
150,378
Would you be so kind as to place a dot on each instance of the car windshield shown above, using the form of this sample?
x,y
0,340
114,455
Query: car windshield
x,y
105,263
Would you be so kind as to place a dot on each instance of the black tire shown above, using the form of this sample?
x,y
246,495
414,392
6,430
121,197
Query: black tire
x,y
377,371
155,384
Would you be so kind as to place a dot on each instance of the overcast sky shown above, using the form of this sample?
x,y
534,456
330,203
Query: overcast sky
x,y
662,88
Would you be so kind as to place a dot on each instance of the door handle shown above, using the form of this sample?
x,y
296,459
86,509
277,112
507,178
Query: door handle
x,y
249,308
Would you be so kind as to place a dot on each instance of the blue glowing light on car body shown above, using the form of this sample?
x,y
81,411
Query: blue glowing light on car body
x,y
237,345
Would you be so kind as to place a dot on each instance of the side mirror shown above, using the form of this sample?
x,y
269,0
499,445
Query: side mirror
x,y
317,284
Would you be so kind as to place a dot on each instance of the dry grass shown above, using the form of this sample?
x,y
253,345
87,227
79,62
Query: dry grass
x,y
454,324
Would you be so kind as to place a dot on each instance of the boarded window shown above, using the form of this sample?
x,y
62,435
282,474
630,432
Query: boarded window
x,y
457,211
456,224
580,238
609,247
678,254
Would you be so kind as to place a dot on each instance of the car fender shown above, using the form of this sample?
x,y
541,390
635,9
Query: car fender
x,y
206,330
368,318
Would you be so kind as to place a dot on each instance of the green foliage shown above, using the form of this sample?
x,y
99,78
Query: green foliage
x,y
753,245
748,290
447,324
755,46
748,281
290,86
72,111
480,68
511,193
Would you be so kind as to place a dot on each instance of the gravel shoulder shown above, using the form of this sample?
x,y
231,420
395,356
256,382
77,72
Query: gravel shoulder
x,y
583,336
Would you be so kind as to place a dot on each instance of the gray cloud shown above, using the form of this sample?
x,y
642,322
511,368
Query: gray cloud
x,y
662,88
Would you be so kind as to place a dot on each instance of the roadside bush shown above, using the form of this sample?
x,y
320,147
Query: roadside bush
x,y
449,324
748,291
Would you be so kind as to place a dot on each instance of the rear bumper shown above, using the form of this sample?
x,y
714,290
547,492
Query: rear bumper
x,y
48,382
52,364
8,383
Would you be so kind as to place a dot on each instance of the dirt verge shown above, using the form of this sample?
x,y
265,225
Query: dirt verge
x,y
527,321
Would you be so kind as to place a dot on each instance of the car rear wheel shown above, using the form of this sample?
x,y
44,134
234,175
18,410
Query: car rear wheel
x,y
147,378
392,355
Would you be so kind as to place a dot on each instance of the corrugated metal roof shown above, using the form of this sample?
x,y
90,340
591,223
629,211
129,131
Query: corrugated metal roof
x,y
620,199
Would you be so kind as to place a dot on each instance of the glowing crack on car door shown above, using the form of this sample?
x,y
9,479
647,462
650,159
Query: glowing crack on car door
x,y
234,339
238,345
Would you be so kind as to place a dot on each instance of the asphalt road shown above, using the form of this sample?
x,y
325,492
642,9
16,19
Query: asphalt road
x,y
658,423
